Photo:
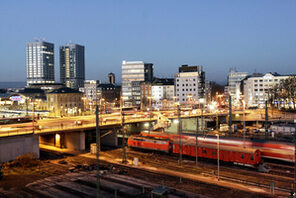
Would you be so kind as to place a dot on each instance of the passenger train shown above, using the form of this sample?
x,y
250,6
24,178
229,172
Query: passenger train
x,y
283,151
170,143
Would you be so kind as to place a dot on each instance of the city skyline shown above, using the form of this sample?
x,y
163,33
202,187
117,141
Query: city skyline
x,y
251,36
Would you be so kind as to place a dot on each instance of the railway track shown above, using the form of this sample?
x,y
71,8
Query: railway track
x,y
281,169
175,180
233,173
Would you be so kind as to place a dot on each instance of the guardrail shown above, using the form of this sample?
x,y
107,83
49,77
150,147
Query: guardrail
x,y
60,127
15,133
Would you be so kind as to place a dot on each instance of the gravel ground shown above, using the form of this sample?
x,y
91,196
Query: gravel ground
x,y
16,178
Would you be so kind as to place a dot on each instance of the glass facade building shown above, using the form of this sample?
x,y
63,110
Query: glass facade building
x,y
134,72
40,62
72,65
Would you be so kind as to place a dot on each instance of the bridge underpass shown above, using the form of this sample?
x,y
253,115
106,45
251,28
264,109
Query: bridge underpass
x,y
80,139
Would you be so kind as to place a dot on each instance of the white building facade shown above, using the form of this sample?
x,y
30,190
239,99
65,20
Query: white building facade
x,y
189,84
163,92
90,89
257,88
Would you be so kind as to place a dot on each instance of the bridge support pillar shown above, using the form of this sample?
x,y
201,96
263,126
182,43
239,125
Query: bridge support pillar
x,y
60,140
75,140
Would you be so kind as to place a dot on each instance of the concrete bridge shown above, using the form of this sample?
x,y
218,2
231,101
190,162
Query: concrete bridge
x,y
77,133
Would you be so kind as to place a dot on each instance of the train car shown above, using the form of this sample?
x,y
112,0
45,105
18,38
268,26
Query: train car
x,y
170,144
150,143
242,156
283,151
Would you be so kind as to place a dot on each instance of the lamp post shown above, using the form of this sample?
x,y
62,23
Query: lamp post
x,y
180,138
295,158
230,116
33,116
196,142
98,142
123,129
244,122
218,156
26,105
266,119
201,101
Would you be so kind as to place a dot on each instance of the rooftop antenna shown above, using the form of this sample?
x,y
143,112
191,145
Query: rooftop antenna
x,y
36,39
43,39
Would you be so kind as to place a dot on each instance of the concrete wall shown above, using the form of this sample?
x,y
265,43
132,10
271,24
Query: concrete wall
x,y
188,125
75,141
110,139
12,147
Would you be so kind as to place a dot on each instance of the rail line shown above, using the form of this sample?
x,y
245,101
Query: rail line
x,y
226,173
209,174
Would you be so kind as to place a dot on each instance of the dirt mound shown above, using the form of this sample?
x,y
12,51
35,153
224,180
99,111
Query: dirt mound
x,y
26,161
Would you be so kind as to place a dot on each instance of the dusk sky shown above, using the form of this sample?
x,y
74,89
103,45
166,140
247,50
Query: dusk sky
x,y
258,35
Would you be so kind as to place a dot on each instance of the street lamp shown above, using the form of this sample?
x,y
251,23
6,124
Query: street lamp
x,y
196,142
244,122
123,129
218,156
189,99
174,101
180,138
98,142
33,116
201,102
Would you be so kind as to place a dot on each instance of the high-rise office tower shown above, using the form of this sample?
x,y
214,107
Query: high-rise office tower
x,y
40,62
111,78
72,65
133,73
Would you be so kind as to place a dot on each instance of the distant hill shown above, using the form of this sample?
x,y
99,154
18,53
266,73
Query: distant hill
x,y
4,85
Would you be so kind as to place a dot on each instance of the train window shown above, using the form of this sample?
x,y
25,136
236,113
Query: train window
x,y
214,153
204,151
252,157
242,156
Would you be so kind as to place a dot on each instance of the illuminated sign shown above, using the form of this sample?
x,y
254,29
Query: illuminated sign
x,y
15,98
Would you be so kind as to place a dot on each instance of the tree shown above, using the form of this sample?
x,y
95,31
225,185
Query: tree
x,y
285,91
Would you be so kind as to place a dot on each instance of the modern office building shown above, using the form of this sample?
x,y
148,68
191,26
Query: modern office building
x,y
190,84
233,87
133,73
40,62
257,88
72,65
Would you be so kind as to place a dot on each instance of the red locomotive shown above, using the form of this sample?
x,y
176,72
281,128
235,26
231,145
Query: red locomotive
x,y
169,143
